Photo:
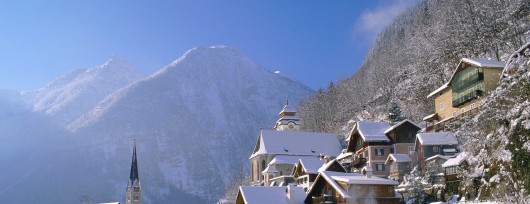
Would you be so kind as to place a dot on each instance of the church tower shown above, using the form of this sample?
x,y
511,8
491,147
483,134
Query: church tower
x,y
134,189
288,119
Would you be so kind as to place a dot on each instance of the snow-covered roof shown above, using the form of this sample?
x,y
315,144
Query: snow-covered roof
x,y
264,194
438,156
352,178
326,166
269,170
311,164
398,158
297,193
373,131
287,159
436,138
399,124
296,143
478,63
355,178
287,109
344,155
454,161
438,90
484,63
429,116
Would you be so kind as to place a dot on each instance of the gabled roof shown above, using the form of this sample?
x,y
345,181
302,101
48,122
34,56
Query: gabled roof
x,y
436,138
332,165
296,143
311,165
438,90
438,157
401,123
478,63
270,169
263,194
434,115
471,61
372,131
398,158
351,178
483,62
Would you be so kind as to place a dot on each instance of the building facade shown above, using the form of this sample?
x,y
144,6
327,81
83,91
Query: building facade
x,y
471,79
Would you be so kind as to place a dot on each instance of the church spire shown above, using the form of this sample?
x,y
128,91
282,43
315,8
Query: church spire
x,y
134,166
133,194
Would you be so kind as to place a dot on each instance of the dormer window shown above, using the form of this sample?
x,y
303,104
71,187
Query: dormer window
x,y
441,105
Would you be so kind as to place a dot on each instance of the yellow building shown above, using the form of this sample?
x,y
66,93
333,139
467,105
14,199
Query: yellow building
x,y
472,79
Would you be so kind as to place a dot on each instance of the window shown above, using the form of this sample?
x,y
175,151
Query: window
x,y
391,150
380,167
379,152
359,143
441,105
463,110
435,149
472,106
454,113
411,149
450,170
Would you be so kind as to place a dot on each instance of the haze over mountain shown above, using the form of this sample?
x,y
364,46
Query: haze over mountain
x,y
195,122
76,92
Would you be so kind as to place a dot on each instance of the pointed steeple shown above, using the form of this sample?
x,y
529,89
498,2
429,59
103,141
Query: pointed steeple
x,y
134,166
133,194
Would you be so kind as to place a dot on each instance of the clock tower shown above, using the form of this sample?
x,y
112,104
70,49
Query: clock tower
x,y
288,119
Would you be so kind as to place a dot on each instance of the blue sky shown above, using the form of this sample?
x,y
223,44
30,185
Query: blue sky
x,y
313,42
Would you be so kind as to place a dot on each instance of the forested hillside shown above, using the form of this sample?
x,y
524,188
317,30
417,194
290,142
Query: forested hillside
x,y
415,55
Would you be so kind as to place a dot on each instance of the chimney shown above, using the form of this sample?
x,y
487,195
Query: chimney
x,y
367,171
326,159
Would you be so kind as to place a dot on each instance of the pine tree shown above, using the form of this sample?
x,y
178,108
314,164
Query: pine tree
x,y
414,187
394,113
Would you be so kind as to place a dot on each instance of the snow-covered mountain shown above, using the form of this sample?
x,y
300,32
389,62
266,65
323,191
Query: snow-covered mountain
x,y
78,91
195,122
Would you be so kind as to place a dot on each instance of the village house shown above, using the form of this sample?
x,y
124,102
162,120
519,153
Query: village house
x,y
370,146
429,144
306,171
352,188
461,95
399,164
434,165
452,168
371,143
279,170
